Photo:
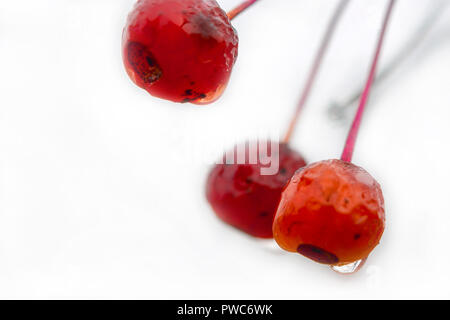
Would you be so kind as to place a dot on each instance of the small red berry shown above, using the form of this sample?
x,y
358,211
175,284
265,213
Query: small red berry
x,y
180,50
246,199
331,212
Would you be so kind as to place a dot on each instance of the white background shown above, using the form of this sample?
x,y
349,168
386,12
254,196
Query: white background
x,y
102,185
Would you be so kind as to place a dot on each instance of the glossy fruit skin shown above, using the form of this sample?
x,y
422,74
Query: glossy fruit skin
x,y
180,50
244,198
331,212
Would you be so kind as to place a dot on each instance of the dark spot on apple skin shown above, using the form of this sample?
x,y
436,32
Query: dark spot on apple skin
x,y
204,26
143,63
198,97
317,254
357,236
150,62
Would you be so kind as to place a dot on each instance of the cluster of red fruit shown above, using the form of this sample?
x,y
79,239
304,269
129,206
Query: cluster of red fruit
x,y
330,211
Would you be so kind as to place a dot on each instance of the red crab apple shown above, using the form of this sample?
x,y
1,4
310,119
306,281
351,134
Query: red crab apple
x,y
246,198
332,212
180,50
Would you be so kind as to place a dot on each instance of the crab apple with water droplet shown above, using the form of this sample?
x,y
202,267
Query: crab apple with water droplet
x,y
331,212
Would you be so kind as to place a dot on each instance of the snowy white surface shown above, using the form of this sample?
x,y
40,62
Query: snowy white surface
x,y
102,185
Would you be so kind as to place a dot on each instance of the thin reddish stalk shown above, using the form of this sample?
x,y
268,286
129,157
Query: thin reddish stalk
x,y
240,8
338,110
347,154
316,67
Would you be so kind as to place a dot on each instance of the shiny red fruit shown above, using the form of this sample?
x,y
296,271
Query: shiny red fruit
x,y
180,50
243,196
331,212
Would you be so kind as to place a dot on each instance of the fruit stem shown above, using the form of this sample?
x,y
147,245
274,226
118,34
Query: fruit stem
x,y
347,154
240,8
337,110
316,67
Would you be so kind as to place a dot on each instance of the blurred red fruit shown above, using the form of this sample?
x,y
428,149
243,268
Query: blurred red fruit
x,y
246,199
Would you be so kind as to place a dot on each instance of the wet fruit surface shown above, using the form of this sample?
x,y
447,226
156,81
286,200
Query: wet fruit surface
x,y
180,50
331,212
246,199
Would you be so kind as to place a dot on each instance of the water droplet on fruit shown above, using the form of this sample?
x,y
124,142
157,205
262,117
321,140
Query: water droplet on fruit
x,y
349,268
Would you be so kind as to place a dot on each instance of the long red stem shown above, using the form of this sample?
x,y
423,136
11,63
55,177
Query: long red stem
x,y
347,154
240,8
338,110
316,67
